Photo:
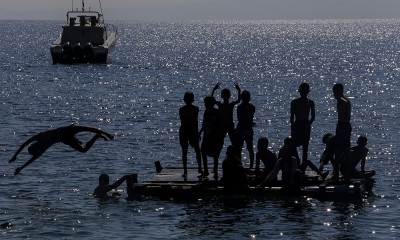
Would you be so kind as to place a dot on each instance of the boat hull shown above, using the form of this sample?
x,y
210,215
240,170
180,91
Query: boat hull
x,y
59,56
64,53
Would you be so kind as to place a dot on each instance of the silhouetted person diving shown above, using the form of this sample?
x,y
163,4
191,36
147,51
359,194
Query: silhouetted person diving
x,y
39,143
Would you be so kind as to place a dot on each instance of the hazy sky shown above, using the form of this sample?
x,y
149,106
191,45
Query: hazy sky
x,y
206,9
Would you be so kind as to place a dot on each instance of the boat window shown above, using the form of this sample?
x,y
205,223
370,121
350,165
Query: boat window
x,y
72,21
82,20
93,21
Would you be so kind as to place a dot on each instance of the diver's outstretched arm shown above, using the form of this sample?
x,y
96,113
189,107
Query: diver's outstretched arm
x,y
91,142
27,142
18,169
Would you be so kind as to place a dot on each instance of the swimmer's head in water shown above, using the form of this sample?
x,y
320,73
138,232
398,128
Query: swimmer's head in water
x,y
104,179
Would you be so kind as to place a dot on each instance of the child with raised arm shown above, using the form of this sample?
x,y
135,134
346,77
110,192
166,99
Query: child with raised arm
x,y
226,108
213,138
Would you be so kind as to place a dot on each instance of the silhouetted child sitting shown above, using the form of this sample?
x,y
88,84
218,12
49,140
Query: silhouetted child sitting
x,y
266,156
288,163
351,158
234,177
301,166
101,191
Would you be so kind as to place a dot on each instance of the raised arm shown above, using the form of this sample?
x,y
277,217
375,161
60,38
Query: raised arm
x,y
18,169
26,143
215,88
117,183
102,190
239,92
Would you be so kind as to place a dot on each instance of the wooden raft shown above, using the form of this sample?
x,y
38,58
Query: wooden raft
x,y
169,184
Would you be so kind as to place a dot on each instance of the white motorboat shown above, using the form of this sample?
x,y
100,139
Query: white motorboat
x,y
84,39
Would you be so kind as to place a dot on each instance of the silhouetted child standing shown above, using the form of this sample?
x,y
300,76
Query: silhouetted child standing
x,y
226,109
244,129
213,138
302,115
189,132
343,127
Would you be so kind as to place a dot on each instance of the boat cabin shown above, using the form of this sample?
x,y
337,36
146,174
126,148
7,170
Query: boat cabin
x,y
85,28
84,38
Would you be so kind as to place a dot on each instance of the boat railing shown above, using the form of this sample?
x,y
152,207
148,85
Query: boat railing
x,y
111,28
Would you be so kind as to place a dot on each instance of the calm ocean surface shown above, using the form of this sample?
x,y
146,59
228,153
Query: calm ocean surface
x,y
136,96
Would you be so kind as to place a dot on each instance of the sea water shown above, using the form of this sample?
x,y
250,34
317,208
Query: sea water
x,y
136,97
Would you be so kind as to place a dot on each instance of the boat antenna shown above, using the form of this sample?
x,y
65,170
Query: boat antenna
x,y
101,10
83,5
72,5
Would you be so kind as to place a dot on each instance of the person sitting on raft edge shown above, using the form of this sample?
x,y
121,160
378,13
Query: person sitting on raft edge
x,y
350,159
267,157
234,177
288,163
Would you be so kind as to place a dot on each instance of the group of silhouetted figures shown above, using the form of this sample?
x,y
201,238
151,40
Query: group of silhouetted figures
x,y
218,122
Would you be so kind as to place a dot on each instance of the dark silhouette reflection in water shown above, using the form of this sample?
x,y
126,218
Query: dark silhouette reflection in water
x,y
346,212
225,218
235,201
215,218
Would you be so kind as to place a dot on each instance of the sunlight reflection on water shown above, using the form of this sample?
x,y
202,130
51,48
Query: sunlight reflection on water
x,y
136,96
